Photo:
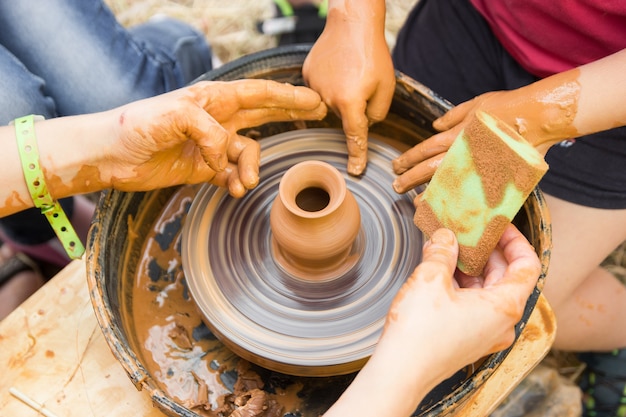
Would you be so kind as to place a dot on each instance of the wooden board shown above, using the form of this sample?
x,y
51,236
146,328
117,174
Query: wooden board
x,y
52,350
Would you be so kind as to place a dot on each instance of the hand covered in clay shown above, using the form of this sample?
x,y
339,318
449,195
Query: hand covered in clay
x,y
350,67
190,135
542,119
438,324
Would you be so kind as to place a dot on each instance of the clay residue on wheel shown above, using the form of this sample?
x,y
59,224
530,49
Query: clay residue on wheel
x,y
183,357
248,398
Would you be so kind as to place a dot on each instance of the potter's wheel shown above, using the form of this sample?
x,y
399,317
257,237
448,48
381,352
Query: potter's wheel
x,y
267,315
134,266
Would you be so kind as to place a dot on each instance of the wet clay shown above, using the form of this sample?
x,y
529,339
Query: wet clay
x,y
314,221
182,355
166,322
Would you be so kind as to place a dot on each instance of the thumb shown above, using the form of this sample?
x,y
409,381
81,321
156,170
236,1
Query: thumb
x,y
442,249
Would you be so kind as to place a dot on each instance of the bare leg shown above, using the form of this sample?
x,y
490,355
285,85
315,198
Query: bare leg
x,y
17,290
589,302
21,286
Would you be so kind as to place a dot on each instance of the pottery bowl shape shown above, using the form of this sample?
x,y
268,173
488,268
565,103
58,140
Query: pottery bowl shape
x,y
143,302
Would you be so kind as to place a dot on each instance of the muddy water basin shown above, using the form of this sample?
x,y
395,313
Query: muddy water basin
x,y
159,335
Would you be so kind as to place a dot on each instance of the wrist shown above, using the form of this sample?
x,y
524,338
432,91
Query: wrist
x,y
386,391
370,14
36,183
393,382
71,154
542,112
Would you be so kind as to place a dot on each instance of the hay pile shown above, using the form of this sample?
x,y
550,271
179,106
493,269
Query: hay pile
x,y
230,26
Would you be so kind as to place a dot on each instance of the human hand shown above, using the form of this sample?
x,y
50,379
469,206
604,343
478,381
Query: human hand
x,y
439,323
190,135
442,324
350,67
541,121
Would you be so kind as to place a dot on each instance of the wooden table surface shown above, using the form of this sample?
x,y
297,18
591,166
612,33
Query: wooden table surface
x,y
53,352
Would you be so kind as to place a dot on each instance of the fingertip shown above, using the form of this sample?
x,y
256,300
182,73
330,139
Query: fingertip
x,y
320,111
441,246
356,165
250,178
510,232
443,236
418,199
439,124
236,188
307,97
398,165
439,256
357,153
248,162
399,186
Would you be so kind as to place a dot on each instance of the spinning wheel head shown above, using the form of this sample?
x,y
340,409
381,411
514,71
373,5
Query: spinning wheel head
x,y
316,311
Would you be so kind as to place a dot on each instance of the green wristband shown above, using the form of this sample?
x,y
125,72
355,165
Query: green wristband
x,y
286,9
36,182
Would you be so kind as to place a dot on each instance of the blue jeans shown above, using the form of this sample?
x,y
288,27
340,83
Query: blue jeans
x,y
66,57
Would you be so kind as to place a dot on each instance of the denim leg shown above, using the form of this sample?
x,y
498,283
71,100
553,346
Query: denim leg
x,y
90,62
186,46
64,57
22,92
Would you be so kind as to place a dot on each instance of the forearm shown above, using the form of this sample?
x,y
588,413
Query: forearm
x,y
602,102
367,12
68,156
399,373
381,390
577,102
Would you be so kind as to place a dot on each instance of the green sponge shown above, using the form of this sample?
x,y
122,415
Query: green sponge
x,y
481,184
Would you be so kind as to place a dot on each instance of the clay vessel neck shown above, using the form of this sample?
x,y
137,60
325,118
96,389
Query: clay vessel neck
x,y
314,220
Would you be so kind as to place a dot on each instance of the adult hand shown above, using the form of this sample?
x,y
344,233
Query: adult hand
x,y
350,67
477,313
190,135
438,324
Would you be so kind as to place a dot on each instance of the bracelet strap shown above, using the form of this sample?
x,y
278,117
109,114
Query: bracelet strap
x,y
36,182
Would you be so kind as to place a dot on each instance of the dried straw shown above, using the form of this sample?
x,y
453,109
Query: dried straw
x,y
230,26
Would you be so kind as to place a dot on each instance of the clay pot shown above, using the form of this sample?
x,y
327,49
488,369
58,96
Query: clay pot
x,y
314,220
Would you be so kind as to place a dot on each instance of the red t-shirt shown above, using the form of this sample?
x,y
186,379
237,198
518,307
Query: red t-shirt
x,y
550,36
